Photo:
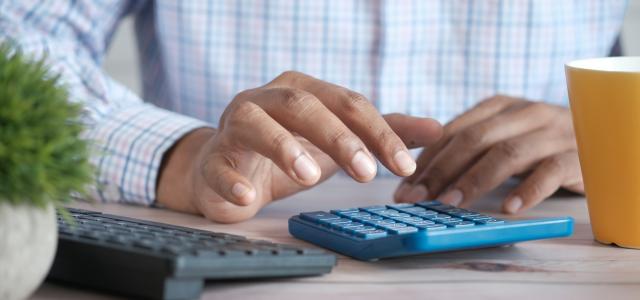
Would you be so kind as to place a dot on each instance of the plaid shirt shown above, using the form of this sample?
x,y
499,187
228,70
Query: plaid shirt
x,y
421,57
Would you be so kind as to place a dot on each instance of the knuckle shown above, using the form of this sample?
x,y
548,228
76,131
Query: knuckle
x,y
434,178
281,141
353,101
388,139
241,111
288,76
296,100
534,191
494,100
537,108
509,150
470,138
554,164
340,137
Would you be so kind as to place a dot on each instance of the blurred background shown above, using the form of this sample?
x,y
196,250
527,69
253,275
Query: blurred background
x,y
122,60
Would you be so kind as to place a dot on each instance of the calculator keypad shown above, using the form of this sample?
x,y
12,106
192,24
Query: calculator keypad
x,y
380,221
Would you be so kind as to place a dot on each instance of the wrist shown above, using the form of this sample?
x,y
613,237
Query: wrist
x,y
174,188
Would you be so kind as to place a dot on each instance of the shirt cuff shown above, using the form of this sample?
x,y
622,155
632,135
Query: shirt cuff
x,y
129,147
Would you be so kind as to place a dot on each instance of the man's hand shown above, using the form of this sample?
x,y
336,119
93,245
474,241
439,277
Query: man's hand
x,y
499,138
281,138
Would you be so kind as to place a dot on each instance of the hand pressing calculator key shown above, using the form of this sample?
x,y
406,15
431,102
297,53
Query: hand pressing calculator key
x,y
374,232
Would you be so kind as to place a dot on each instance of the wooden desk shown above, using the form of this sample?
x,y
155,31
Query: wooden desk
x,y
571,268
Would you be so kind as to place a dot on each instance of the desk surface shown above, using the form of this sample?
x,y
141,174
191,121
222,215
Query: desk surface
x,y
570,268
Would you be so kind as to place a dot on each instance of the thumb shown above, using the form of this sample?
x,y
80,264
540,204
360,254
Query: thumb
x,y
415,132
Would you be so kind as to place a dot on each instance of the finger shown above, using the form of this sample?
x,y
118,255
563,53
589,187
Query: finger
x,y
469,144
501,162
478,113
300,111
220,175
415,132
250,127
361,117
548,177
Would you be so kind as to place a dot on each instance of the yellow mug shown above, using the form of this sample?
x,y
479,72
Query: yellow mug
x,y
604,95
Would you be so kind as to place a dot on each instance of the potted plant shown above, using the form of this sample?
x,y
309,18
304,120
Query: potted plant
x,y
43,162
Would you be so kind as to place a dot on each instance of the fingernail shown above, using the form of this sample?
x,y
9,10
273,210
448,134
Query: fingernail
x,y
363,165
417,193
513,205
401,192
453,197
305,169
405,162
239,190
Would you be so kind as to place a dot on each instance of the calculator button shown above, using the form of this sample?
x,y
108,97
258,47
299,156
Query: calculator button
x,y
352,226
336,221
318,216
388,213
345,210
368,218
490,221
426,213
414,209
360,228
403,230
433,227
339,226
400,205
427,204
464,224
438,217
442,207
383,222
371,234
425,224
374,208
465,214
393,226
409,219
478,218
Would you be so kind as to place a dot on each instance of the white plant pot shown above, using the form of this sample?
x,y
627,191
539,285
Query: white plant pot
x,y
28,240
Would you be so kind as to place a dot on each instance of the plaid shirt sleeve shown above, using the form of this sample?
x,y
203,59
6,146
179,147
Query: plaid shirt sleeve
x,y
130,136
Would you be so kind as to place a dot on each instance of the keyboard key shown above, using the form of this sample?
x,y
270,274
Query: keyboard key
x,y
371,234
318,216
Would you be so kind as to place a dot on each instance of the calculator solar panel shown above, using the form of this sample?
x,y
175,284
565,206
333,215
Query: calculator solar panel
x,y
382,231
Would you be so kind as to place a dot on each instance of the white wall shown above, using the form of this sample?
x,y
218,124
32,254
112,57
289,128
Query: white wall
x,y
122,62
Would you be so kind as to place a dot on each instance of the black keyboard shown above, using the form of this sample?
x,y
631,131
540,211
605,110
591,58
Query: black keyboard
x,y
160,261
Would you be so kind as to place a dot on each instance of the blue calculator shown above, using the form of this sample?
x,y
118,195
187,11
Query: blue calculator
x,y
382,231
